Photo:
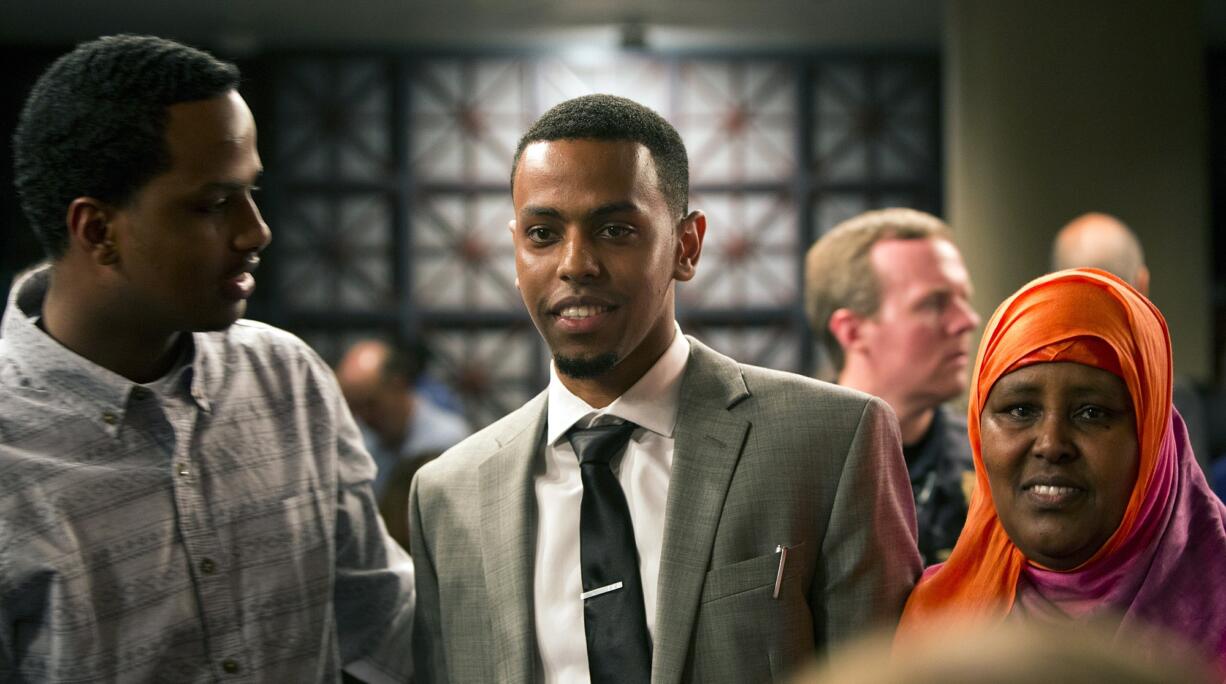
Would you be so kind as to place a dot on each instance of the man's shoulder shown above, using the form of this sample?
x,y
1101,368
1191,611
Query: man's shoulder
x,y
259,344
462,460
262,359
787,405
766,381
791,396
259,337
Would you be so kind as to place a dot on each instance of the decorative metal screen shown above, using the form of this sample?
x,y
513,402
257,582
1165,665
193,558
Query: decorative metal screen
x,y
389,194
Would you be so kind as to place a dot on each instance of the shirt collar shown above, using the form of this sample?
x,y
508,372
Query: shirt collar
x,y
650,403
36,361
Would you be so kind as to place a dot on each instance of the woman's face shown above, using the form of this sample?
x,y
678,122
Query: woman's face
x,y
1060,449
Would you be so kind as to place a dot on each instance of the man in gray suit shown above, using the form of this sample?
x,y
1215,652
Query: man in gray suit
x,y
659,513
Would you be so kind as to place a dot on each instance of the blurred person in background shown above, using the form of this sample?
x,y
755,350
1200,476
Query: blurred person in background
x,y
888,297
401,427
1098,240
398,423
1013,653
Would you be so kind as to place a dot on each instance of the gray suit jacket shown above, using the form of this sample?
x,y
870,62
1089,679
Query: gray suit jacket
x,y
761,458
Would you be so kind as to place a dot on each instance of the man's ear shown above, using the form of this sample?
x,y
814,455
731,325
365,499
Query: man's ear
x,y
690,232
844,324
90,230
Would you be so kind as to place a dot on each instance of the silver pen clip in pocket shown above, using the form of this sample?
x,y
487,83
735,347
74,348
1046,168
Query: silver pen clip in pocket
x,y
783,562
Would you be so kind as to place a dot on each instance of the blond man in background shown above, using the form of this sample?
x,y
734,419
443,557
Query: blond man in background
x,y
888,297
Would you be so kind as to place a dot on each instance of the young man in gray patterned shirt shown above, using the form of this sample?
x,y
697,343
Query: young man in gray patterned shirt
x,y
183,494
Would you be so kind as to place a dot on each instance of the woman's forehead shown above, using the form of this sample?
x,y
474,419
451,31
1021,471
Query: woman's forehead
x,y
1066,377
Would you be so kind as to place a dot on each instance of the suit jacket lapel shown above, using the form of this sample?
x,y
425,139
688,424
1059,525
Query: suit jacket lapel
x,y
508,538
708,444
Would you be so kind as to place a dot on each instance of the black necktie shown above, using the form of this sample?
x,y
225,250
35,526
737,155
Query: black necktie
x,y
618,646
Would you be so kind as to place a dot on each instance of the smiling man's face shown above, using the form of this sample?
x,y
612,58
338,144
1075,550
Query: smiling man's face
x,y
596,253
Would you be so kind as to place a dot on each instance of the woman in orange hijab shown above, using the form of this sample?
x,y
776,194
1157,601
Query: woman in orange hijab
x,y
1088,500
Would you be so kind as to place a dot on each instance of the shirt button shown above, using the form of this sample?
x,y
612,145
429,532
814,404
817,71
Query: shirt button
x,y
183,471
110,418
140,393
207,566
230,666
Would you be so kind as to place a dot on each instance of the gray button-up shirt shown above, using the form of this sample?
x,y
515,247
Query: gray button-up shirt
x,y
215,525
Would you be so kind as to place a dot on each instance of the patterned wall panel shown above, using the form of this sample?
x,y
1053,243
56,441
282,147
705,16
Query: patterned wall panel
x,y
487,368
334,120
462,252
738,119
642,79
749,254
466,116
874,123
335,254
831,208
772,346
392,199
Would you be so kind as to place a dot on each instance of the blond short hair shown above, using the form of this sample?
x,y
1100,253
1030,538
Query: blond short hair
x,y
839,273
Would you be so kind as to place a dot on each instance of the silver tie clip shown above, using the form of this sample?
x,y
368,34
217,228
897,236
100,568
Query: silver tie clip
x,y
603,590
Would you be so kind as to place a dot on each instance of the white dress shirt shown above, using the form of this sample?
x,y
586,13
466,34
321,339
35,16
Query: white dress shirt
x,y
643,471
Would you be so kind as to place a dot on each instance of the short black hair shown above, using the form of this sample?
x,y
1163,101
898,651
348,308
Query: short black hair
x,y
608,117
94,124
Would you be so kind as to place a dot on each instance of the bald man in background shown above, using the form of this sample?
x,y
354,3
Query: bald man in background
x,y
1102,241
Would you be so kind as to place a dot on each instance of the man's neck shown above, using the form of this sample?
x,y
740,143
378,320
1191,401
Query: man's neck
x,y
137,354
916,425
599,392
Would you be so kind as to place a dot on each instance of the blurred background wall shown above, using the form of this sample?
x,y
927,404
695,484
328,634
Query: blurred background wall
x,y
1056,108
387,129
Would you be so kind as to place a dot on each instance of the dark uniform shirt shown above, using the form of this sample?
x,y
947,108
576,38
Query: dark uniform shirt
x,y
937,464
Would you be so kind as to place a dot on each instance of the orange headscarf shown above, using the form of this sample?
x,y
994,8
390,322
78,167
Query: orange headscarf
x,y
1082,315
